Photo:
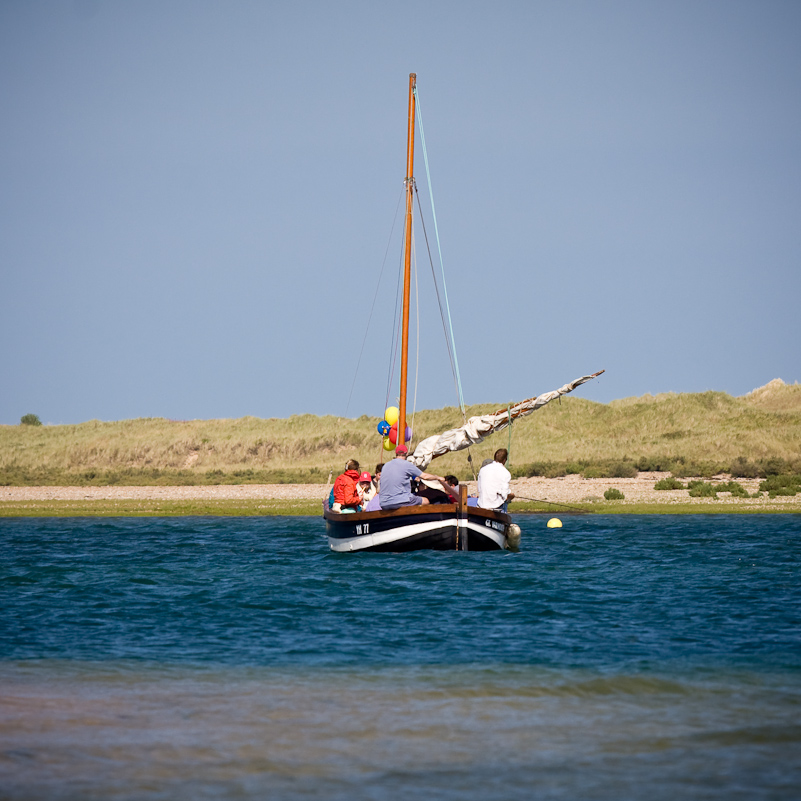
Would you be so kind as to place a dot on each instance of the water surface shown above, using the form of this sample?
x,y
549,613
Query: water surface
x,y
617,657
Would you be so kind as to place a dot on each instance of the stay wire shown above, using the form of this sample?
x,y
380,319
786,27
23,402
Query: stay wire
x,y
396,336
449,344
396,326
372,307
554,503
452,341
419,109
417,355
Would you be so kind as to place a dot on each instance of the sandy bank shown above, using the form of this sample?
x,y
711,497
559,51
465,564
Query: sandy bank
x,y
565,490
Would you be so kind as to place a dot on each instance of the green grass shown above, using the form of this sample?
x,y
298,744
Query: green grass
x,y
261,507
687,434
154,508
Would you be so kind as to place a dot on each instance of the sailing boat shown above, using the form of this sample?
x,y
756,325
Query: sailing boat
x,y
438,526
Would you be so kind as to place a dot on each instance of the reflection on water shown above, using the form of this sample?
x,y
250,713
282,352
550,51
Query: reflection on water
x,y
123,730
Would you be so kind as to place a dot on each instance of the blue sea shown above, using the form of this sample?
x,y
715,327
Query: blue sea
x,y
617,657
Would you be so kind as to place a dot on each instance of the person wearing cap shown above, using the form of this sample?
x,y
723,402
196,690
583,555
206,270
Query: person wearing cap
x,y
396,482
365,488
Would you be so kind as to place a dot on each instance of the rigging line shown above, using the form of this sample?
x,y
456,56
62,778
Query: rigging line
x,y
439,247
396,333
509,448
553,503
372,307
451,354
417,356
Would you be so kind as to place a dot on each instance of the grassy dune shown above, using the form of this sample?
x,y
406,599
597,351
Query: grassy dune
x,y
690,434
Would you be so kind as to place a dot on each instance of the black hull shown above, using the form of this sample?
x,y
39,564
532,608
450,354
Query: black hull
x,y
434,527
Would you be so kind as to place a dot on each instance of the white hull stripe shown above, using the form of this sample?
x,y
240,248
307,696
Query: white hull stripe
x,y
488,532
359,543
384,537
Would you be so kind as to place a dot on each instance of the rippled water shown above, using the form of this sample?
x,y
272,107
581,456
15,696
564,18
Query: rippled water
x,y
183,658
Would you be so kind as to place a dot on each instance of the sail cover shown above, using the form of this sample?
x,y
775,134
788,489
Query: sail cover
x,y
476,428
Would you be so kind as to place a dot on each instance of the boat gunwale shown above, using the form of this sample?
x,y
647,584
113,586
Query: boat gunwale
x,y
406,511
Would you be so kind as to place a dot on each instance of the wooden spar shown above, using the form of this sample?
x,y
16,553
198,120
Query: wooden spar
x,y
407,269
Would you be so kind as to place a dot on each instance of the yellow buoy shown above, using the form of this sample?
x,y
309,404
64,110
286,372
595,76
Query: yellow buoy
x,y
554,522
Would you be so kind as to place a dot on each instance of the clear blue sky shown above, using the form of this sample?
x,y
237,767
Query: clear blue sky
x,y
197,198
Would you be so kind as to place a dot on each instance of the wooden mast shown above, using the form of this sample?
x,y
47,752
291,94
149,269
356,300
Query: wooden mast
x,y
407,262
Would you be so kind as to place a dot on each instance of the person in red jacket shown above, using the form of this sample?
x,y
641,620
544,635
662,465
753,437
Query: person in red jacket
x,y
346,494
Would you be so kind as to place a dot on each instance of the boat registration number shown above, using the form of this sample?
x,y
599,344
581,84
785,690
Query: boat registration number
x,y
496,525
362,528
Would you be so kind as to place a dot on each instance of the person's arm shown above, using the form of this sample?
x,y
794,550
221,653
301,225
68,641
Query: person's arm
x,y
441,479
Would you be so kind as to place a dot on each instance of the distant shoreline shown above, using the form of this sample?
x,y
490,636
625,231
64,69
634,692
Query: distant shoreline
x,y
533,494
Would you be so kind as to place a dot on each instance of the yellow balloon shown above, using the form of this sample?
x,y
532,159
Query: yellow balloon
x,y
388,446
391,415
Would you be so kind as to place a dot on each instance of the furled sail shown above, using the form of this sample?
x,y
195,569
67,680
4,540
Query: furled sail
x,y
476,428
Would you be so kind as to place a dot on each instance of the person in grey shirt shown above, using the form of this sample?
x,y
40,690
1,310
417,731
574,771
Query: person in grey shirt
x,y
396,482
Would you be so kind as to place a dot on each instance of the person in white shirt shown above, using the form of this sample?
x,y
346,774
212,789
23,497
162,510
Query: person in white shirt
x,y
493,483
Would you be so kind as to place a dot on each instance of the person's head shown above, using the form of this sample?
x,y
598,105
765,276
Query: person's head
x,y
352,465
401,451
365,478
452,480
501,455
378,468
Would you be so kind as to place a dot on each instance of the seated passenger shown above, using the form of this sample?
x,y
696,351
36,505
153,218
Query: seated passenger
x,y
435,493
346,496
453,484
396,482
377,478
365,488
493,483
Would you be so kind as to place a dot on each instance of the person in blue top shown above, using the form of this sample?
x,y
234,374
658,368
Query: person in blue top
x,y
396,482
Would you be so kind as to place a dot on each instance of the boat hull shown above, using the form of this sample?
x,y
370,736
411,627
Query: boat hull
x,y
437,527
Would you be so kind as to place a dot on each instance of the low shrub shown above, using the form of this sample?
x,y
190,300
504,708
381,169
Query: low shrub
x,y
539,469
781,485
702,489
705,469
596,471
613,494
736,490
742,467
30,420
624,470
670,483
776,467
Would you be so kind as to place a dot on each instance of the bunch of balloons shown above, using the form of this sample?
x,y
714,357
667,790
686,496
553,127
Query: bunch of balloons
x,y
388,428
